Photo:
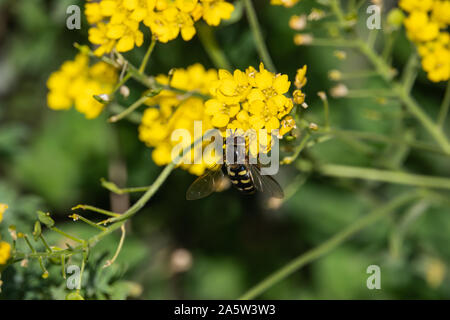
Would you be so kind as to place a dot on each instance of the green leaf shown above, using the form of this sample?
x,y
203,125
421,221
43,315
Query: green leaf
x,y
45,219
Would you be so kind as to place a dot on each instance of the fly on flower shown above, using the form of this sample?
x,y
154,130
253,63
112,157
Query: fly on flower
x,y
244,176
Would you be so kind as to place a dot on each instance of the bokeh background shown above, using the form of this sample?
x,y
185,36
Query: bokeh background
x,y
53,161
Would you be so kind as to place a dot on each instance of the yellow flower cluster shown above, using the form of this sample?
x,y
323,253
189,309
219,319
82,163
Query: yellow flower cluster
x,y
286,3
243,101
177,111
251,100
427,25
76,83
116,22
5,247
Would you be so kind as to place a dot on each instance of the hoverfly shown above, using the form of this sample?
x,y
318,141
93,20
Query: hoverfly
x,y
246,178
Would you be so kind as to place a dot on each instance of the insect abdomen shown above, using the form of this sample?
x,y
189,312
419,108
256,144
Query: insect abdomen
x,y
240,178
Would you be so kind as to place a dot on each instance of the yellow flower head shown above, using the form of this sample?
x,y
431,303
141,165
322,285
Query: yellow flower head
x,y
116,23
3,208
427,25
76,83
177,111
5,252
251,100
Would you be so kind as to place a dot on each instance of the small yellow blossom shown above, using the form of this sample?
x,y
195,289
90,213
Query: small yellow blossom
x,y
76,83
300,77
285,3
5,252
3,208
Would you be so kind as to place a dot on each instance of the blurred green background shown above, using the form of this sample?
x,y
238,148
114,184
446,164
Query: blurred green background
x,y
54,160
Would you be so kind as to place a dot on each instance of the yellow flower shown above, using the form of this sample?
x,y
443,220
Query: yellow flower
x,y
5,252
420,28
3,208
251,100
177,111
76,83
426,25
116,23
216,10
300,77
415,5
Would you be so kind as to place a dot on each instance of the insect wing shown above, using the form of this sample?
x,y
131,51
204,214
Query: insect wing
x,y
204,185
266,184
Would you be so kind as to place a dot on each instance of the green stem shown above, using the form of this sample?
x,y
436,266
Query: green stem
x,y
257,35
95,209
410,72
114,188
336,7
209,42
89,222
333,42
66,235
328,245
125,113
384,176
147,56
434,130
383,69
371,136
444,106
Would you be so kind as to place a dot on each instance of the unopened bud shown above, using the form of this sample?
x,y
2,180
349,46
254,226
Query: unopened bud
x,y
334,75
303,39
124,91
339,91
297,22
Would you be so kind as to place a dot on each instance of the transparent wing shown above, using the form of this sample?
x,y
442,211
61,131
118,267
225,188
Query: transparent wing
x,y
266,184
204,185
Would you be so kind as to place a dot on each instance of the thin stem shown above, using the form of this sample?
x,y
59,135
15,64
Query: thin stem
x,y
298,149
257,35
121,82
111,186
383,69
66,235
134,117
147,56
95,209
209,42
444,106
89,222
384,176
328,245
375,93
128,110
333,42
45,243
434,130
119,247
336,7
410,72
371,136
